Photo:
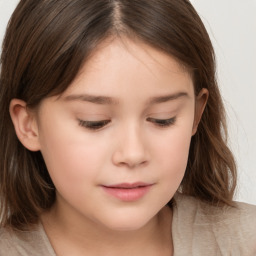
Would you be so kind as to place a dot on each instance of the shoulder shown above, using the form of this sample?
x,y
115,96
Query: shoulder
x,y
17,243
229,230
5,244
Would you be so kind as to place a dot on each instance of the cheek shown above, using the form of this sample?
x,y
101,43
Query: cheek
x,y
176,151
71,156
173,156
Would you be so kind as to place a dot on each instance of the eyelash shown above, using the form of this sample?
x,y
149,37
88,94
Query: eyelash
x,y
162,122
96,125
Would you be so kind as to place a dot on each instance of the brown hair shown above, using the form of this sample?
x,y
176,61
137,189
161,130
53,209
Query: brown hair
x,y
45,45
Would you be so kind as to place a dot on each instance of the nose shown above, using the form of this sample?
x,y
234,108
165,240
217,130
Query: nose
x,y
131,148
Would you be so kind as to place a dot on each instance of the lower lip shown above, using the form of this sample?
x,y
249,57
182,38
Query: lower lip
x,y
127,194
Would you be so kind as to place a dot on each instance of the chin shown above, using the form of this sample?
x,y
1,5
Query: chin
x,y
128,222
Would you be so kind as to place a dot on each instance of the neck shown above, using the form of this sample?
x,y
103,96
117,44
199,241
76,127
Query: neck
x,y
73,235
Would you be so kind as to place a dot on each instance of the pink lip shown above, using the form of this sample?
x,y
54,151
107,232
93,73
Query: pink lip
x,y
128,192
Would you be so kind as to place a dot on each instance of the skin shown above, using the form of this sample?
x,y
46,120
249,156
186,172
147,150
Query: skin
x,y
131,147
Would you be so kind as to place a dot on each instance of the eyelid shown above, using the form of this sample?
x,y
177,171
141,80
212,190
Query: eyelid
x,y
93,125
99,124
162,122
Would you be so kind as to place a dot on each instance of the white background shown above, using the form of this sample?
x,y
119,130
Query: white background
x,y
232,27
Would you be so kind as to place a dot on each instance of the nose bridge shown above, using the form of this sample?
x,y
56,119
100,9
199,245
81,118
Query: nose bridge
x,y
131,148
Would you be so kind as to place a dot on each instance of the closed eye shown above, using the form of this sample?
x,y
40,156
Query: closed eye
x,y
162,122
96,125
93,125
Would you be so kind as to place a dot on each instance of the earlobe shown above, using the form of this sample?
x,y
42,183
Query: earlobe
x,y
201,101
25,124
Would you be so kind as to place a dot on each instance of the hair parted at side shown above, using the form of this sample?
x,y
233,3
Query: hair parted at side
x,y
46,44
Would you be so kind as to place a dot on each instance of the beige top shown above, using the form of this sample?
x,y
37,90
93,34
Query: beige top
x,y
197,228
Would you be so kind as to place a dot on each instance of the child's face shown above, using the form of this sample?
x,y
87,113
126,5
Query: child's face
x,y
127,118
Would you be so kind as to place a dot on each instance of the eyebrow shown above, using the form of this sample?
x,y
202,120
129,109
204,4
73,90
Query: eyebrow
x,y
104,100
165,98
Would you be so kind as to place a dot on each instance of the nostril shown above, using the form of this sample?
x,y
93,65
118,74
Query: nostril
x,y
130,149
131,161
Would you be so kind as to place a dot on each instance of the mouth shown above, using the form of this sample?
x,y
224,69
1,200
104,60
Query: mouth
x,y
128,192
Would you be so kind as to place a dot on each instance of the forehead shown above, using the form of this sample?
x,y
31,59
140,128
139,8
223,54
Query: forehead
x,y
120,64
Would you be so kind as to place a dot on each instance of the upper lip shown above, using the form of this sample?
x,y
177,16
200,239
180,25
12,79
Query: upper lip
x,y
128,185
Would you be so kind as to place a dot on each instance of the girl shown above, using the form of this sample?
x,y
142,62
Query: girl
x,y
113,134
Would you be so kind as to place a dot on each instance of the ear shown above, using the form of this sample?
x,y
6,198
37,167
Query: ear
x,y
200,103
25,124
